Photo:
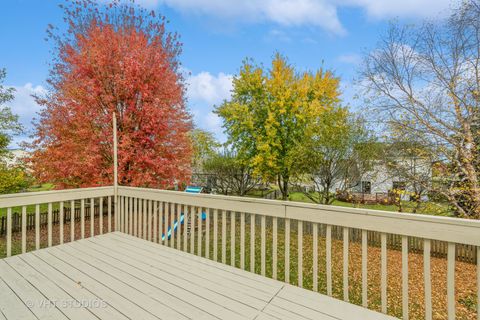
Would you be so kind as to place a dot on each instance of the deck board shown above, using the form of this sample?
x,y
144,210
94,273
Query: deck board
x,y
71,287
194,286
225,279
28,293
136,279
156,288
213,281
49,289
10,304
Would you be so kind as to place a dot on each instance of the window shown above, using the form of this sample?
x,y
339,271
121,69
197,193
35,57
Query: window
x,y
366,187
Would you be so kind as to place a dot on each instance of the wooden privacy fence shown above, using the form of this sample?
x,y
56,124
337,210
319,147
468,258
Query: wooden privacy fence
x,y
30,218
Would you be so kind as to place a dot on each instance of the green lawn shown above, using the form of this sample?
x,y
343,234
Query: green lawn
x,y
431,208
41,187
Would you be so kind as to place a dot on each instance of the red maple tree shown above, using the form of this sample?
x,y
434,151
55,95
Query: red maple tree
x,y
115,58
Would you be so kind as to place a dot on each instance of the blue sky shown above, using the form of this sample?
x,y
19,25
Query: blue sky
x,y
217,35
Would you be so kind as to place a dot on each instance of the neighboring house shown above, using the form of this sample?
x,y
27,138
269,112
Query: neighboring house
x,y
16,157
378,180
409,174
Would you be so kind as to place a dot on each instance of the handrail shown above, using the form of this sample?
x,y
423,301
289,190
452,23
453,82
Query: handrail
x,y
29,198
448,229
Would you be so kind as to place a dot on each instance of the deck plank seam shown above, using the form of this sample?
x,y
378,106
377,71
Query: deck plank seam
x,y
306,307
35,289
64,290
238,299
205,265
268,303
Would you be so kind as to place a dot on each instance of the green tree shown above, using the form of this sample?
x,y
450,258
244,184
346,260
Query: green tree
x,y
204,146
9,124
269,115
12,179
231,174
339,151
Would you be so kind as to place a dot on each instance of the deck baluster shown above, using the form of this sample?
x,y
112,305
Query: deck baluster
x,y
383,267
274,248
215,234
328,250
427,279
364,268
232,238
315,256
287,250
404,277
252,242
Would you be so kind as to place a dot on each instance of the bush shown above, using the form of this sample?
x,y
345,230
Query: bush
x,y
13,179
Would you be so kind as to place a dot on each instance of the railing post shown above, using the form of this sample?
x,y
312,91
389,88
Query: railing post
x,y
115,173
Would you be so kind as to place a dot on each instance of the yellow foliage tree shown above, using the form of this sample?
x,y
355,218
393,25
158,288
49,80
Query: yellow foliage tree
x,y
269,115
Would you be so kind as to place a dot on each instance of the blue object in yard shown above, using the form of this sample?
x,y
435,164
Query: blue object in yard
x,y
189,189
193,189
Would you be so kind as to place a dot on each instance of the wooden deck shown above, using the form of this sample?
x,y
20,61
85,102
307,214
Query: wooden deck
x,y
117,276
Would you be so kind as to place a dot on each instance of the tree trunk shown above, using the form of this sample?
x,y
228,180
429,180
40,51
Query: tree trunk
x,y
283,182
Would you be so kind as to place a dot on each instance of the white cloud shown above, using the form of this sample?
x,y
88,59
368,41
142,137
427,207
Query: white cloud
x,y
204,91
319,13
209,88
303,12
25,107
24,104
213,123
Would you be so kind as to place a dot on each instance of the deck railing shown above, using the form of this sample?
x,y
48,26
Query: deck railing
x,y
288,241
83,200
150,214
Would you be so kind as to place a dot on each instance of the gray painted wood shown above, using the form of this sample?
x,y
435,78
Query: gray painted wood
x,y
50,291
138,279
38,304
11,306
71,287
